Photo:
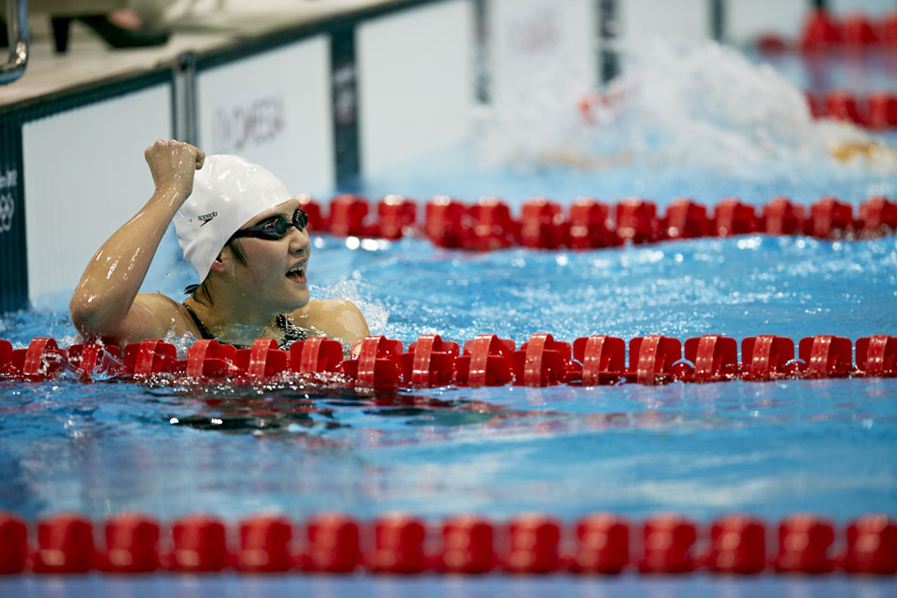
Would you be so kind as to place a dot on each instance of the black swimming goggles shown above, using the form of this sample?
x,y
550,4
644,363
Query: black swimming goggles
x,y
274,228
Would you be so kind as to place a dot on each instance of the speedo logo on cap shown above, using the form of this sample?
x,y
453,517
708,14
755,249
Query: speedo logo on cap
x,y
207,218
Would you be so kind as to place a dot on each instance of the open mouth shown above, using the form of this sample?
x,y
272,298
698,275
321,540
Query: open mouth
x,y
297,274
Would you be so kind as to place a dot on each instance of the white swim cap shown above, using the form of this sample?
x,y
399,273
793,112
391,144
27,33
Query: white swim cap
x,y
227,192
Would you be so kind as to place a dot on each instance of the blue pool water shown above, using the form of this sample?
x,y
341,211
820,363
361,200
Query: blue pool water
x,y
767,448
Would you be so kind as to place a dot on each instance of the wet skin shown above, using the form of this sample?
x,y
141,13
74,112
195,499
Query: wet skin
x,y
247,298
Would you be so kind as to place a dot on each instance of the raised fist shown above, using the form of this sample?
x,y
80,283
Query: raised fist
x,y
173,164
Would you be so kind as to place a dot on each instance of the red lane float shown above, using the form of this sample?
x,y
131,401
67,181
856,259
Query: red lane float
x,y
782,217
602,359
877,215
876,110
445,222
881,110
637,222
210,359
132,544
767,357
332,544
395,216
823,31
347,216
89,359
198,545
265,545
429,361
543,225
820,31
652,359
737,545
588,224
487,360
876,356
825,356
733,217
149,357
603,544
14,549
316,356
491,226
534,543
685,219
64,545
667,542
870,546
378,364
399,546
467,545
714,358
542,361
804,545
40,360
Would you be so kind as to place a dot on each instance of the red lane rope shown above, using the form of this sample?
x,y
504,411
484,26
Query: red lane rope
x,y
825,32
876,110
486,360
851,35
467,544
589,224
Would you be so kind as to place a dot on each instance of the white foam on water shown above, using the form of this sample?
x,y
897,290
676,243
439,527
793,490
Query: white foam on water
x,y
685,105
375,313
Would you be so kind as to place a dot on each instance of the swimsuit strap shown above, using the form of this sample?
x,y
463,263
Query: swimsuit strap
x,y
204,332
292,332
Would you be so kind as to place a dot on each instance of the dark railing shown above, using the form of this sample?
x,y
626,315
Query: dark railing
x,y
17,32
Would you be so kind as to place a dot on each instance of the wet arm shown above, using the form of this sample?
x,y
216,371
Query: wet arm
x,y
104,300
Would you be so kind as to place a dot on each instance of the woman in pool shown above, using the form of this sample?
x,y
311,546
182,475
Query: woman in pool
x,y
244,235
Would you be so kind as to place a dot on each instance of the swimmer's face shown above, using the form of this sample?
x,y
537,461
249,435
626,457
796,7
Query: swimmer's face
x,y
275,274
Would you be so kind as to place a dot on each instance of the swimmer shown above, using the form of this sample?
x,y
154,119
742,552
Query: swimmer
x,y
246,238
843,141
682,106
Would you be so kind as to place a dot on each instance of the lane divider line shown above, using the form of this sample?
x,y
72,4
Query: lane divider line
x,y
486,360
534,543
591,224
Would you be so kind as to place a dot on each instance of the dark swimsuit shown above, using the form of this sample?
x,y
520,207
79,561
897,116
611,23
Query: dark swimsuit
x,y
292,332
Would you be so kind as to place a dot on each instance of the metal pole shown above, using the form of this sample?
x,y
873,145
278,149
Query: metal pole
x,y
345,105
718,18
17,32
608,31
481,52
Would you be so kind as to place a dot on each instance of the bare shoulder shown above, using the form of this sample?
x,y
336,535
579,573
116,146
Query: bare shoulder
x,y
336,318
153,315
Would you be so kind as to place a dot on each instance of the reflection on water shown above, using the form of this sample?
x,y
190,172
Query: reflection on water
x,y
766,448
324,586
272,411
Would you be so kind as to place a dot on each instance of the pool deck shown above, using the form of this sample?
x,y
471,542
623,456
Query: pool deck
x,y
89,60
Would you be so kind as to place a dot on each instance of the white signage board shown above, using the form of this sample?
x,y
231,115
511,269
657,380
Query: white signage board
x,y
416,83
745,21
85,175
274,109
642,20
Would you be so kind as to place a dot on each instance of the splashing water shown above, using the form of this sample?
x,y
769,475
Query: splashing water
x,y
699,107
